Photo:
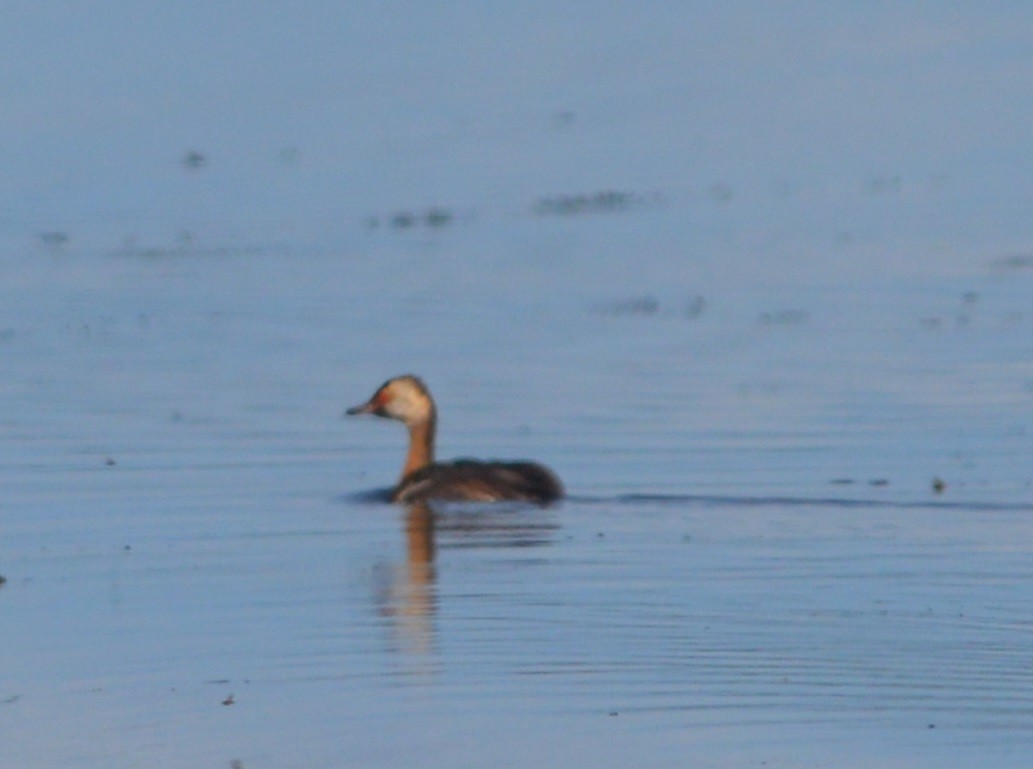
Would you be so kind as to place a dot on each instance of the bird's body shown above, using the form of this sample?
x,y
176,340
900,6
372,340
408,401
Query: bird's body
x,y
407,400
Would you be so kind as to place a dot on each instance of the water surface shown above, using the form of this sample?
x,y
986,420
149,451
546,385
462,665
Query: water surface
x,y
762,301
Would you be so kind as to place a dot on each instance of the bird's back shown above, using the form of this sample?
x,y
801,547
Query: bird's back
x,y
474,481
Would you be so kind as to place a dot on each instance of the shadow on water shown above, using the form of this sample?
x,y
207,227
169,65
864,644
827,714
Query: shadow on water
x,y
474,524
495,525
513,524
843,503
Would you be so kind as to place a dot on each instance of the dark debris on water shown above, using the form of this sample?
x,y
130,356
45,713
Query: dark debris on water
x,y
433,218
648,305
1014,262
604,201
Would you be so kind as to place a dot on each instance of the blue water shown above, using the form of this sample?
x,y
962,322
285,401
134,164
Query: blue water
x,y
755,283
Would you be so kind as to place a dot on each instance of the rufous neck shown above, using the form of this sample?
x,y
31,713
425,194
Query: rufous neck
x,y
421,446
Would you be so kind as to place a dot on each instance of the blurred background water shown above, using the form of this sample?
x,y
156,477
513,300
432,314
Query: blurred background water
x,y
755,281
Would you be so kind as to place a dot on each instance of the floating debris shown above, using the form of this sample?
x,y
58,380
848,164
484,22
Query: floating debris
x,y
195,160
642,305
54,238
1014,262
720,192
434,217
939,485
289,156
646,306
186,244
607,201
403,220
883,185
437,217
694,307
563,119
784,318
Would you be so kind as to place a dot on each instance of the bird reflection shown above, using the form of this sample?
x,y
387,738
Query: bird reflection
x,y
410,598
419,538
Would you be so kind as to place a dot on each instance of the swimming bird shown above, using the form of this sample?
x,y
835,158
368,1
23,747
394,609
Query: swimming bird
x,y
407,399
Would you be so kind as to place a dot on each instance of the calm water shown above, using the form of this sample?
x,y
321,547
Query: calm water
x,y
787,381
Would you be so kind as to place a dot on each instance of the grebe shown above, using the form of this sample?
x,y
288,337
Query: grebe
x,y
407,399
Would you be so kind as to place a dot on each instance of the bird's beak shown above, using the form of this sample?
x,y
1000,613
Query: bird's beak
x,y
365,408
374,405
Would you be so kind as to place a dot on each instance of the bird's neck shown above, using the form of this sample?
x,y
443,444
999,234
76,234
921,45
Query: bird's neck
x,y
421,446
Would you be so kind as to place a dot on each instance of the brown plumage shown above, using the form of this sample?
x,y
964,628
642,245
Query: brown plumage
x,y
407,399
